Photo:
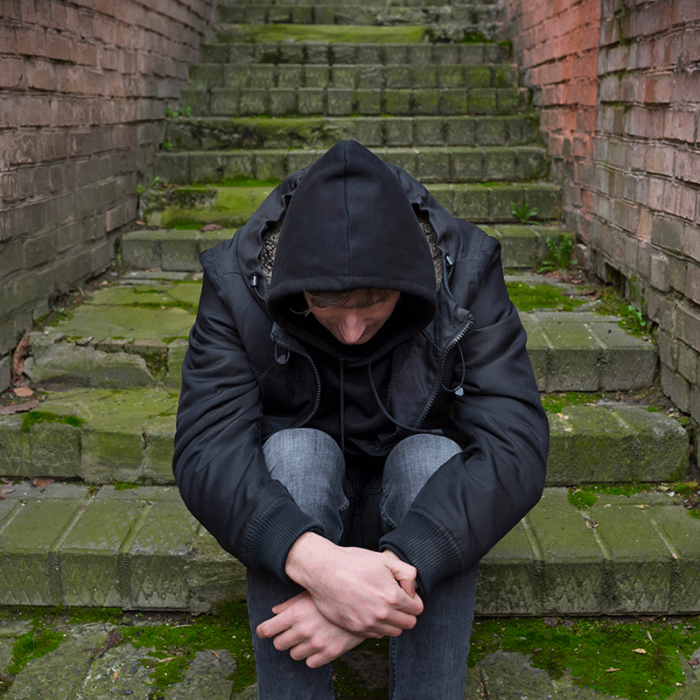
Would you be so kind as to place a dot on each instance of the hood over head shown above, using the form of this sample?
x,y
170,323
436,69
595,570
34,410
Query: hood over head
x,y
350,225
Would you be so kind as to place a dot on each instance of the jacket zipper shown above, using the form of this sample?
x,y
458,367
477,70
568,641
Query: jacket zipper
x,y
302,423
464,330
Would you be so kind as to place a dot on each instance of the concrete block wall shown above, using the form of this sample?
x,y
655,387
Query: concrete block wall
x,y
618,82
84,87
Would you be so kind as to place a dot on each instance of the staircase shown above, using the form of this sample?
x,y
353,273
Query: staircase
x,y
426,88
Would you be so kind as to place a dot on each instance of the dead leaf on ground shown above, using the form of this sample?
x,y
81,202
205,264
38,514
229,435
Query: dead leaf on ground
x,y
211,227
694,662
23,392
551,621
639,651
19,408
21,351
591,524
42,482
5,480
612,670
5,489
567,623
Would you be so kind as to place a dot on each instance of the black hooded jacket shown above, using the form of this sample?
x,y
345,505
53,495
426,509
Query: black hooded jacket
x,y
256,365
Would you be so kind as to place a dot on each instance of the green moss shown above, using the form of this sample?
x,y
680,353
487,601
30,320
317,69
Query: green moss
x,y
33,645
347,684
581,498
169,339
589,648
124,485
175,304
272,33
586,496
229,630
556,403
35,417
632,320
528,297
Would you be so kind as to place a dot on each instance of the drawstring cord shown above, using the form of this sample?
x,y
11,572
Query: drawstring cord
x,y
342,406
458,391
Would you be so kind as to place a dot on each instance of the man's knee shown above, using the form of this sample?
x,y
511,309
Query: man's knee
x,y
310,464
409,466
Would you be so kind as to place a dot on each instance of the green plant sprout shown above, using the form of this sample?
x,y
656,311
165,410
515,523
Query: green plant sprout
x,y
174,114
140,189
525,214
559,257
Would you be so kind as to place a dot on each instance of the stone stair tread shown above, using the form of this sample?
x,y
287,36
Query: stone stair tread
x,y
67,544
433,164
327,33
352,76
222,133
349,52
125,433
173,251
474,16
312,101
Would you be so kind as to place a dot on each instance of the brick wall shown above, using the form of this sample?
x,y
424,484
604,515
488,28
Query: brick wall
x,y
84,86
619,86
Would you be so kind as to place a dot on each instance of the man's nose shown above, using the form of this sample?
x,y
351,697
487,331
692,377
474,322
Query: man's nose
x,y
352,328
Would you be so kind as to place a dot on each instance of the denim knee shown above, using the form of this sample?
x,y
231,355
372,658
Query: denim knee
x,y
310,464
409,465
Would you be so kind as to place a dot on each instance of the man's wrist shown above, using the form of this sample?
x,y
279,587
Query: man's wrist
x,y
303,554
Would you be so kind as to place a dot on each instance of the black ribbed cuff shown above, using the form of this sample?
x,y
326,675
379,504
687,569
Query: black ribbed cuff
x,y
421,543
275,535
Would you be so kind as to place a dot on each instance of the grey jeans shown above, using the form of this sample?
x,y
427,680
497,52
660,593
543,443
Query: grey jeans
x,y
427,662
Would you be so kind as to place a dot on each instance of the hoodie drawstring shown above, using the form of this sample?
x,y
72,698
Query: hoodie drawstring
x,y
342,406
386,413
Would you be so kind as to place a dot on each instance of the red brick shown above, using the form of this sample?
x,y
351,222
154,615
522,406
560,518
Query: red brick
x,y
31,110
685,11
86,54
680,125
12,73
688,166
656,194
681,201
660,160
8,113
657,88
59,47
22,149
8,186
645,224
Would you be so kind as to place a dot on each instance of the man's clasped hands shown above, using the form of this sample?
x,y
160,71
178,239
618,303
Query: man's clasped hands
x,y
349,594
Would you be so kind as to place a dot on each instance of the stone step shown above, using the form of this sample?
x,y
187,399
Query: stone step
x,y
457,164
318,133
136,335
177,251
342,102
476,18
192,207
405,76
70,545
359,3
346,52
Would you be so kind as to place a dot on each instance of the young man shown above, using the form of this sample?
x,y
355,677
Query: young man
x,y
359,423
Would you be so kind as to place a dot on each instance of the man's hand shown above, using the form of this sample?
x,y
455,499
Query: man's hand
x,y
369,594
300,627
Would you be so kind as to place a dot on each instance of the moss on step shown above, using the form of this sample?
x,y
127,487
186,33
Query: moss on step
x,y
35,417
273,33
528,297
630,659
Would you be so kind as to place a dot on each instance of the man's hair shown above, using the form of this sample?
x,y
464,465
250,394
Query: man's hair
x,y
349,298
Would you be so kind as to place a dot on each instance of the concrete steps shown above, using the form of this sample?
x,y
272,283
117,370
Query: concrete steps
x,y
456,164
174,251
105,435
224,133
140,549
278,84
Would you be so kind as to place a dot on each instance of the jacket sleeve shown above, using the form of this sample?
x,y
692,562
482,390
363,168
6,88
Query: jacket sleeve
x,y
218,463
476,497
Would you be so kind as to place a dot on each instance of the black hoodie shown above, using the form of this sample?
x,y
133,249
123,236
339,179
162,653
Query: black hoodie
x,y
350,225
249,370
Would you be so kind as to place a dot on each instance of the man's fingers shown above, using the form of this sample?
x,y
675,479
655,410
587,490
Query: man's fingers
x,y
272,627
288,603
